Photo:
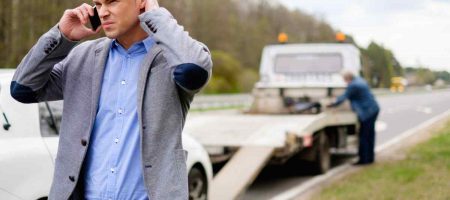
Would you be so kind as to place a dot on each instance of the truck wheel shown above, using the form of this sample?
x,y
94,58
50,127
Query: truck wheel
x,y
323,157
198,187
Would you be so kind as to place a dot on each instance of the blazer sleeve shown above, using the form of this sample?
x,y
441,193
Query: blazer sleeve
x,y
190,59
39,76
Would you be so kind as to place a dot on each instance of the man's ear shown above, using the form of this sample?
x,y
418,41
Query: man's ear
x,y
142,4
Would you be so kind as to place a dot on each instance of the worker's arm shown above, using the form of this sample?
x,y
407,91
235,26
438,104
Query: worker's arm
x,y
347,94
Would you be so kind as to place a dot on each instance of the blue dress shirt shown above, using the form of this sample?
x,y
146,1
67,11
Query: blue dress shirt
x,y
113,168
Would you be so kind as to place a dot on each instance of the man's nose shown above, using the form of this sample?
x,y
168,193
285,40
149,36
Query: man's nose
x,y
103,12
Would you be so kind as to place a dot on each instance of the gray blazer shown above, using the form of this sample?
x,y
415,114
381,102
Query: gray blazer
x,y
56,68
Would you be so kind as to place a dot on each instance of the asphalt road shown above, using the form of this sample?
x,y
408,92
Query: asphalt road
x,y
400,112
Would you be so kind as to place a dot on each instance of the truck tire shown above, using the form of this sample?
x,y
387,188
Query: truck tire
x,y
321,164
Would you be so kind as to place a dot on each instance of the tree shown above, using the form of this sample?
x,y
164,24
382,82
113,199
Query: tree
x,y
225,77
240,29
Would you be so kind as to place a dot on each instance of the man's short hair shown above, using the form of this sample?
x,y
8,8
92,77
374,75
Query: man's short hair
x,y
347,74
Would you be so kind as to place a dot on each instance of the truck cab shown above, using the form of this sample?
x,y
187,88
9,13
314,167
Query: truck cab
x,y
295,77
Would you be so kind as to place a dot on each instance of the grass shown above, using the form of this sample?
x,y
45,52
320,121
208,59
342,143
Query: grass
x,y
424,174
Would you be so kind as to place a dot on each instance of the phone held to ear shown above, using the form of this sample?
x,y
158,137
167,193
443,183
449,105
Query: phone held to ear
x,y
95,20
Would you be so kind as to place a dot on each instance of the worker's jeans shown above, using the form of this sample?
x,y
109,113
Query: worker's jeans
x,y
367,140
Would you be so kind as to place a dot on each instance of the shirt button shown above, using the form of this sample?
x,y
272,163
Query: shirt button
x,y
123,82
112,170
116,140
120,111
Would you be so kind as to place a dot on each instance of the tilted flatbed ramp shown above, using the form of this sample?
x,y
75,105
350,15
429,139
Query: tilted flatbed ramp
x,y
239,173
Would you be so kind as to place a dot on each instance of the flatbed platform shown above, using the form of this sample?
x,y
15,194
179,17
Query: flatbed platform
x,y
235,129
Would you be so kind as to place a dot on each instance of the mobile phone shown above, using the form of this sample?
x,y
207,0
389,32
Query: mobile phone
x,y
95,20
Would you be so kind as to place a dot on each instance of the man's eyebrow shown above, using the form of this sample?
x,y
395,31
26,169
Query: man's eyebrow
x,y
98,1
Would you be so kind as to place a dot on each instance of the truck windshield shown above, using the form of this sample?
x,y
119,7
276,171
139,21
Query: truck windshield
x,y
308,63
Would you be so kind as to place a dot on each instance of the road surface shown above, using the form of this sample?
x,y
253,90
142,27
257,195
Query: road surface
x,y
399,113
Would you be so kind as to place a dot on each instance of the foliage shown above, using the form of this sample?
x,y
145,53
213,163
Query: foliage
x,y
236,30
239,29
423,76
225,75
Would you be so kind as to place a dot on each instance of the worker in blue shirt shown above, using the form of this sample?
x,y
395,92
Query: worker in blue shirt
x,y
366,107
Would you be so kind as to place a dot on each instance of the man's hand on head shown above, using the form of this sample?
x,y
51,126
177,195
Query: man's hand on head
x,y
151,4
72,23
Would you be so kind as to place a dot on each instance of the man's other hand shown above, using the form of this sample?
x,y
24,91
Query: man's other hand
x,y
72,23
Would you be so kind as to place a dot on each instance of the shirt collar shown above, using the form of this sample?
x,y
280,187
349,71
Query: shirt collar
x,y
147,43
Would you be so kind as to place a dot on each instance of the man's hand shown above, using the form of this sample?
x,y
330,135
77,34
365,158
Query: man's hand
x,y
72,23
331,105
151,4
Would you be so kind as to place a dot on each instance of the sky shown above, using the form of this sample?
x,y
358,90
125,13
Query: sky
x,y
417,31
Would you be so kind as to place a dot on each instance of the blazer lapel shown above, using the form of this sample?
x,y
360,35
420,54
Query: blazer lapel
x,y
101,54
143,75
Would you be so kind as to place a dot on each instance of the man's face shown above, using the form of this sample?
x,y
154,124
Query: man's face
x,y
119,16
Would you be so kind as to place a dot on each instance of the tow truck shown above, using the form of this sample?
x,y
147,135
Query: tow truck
x,y
288,118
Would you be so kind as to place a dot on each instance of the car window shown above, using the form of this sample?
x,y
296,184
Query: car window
x,y
308,63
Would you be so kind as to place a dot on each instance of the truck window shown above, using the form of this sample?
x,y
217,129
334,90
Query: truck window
x,y
50,115
308,63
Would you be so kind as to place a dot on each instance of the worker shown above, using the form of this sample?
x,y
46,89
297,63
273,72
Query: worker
x,y
366,107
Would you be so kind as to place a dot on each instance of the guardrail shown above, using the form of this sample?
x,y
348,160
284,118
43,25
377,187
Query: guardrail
x,y
203,102
206,102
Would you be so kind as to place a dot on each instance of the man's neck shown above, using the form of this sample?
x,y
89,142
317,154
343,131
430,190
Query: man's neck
x,y
131,37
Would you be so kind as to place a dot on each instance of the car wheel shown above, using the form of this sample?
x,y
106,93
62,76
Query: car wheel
x,y
198,185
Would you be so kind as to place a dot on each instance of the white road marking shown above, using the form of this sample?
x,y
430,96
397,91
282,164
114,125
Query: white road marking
x,y
297,190
426,110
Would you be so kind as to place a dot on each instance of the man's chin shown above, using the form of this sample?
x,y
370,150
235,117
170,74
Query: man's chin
x,y
111,35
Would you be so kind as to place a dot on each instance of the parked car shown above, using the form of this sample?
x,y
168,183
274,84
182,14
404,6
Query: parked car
x,y
29,143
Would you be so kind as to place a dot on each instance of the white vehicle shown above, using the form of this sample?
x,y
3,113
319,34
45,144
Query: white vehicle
x,y
288,119
29,143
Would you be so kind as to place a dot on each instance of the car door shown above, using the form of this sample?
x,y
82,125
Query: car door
x,y
26,167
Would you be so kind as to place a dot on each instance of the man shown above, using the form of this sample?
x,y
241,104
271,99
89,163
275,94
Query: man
x,y
364,104
126,98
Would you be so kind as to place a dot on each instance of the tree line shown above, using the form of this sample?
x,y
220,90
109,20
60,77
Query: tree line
x,y
235,31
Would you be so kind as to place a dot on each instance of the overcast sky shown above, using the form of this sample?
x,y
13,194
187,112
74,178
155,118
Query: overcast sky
x,y
418,31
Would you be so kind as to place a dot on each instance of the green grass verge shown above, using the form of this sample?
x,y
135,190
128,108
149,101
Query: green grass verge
x,y
424,174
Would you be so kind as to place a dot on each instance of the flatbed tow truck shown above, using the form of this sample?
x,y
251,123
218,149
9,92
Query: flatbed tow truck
x,y
288,118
